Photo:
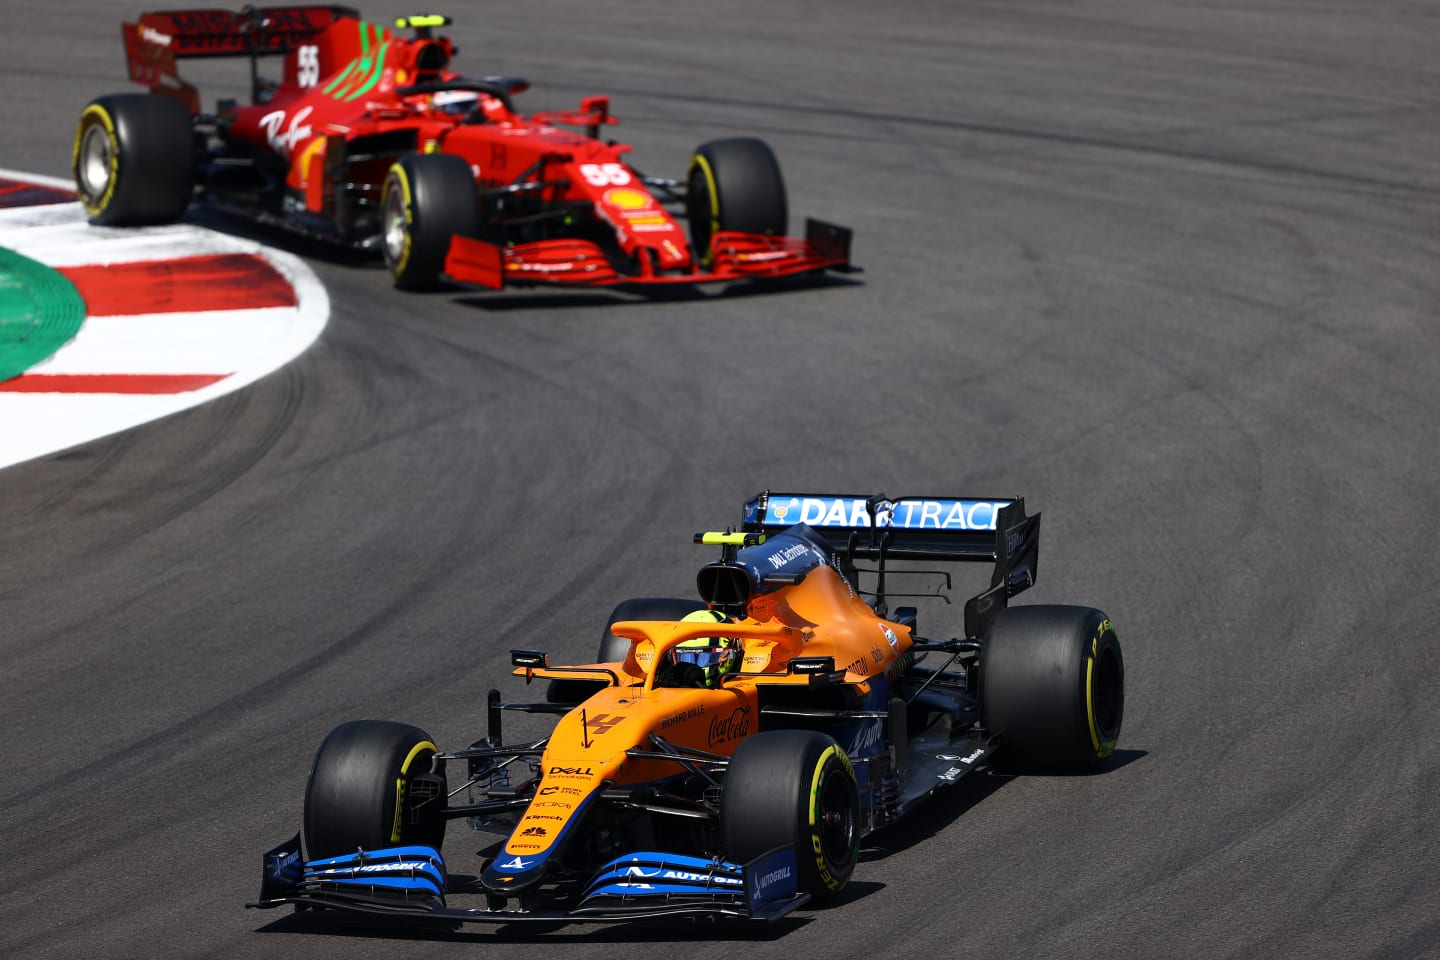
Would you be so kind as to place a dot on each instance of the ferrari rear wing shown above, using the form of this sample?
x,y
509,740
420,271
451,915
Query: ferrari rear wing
x,y
159,38
222,33
880,528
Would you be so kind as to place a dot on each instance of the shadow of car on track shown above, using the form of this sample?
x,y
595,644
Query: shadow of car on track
x,y
673,931
924,824
943,810
538,297
548,298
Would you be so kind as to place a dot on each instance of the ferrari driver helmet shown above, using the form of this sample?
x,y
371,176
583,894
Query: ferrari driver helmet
x,y
712,656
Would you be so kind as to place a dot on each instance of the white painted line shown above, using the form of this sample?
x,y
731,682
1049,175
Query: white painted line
x,y
246,344
37,179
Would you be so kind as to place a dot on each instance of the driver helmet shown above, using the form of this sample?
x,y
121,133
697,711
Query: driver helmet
x,y
457,103
714,656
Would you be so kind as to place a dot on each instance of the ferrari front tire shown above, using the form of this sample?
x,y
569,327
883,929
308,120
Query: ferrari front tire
x,y
733,184
361,796
427,199
134,159
794,788
1052,687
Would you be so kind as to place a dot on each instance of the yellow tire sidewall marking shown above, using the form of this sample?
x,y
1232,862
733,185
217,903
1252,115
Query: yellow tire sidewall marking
x,y
826,877
88,117
1108,747
699,160
398,176
400,782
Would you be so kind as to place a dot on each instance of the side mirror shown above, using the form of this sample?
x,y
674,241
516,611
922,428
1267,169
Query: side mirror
x,y
820,670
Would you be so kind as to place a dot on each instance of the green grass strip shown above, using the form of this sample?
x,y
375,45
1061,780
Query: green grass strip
x,y
40,312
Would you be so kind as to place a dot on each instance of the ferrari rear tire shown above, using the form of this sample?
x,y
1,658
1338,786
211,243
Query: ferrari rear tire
x,y
613,648
427,199
360,796
733,184
134,159
1052,686
794,788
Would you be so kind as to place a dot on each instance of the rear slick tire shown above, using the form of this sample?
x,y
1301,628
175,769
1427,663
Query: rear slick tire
x,y
1052,681
134,159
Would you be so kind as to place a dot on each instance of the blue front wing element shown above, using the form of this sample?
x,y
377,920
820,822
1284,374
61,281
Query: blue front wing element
x,y
405,873
410,877
762,887
411,881
661,874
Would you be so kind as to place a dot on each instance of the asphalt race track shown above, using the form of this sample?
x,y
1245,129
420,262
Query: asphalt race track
x,y
1167,269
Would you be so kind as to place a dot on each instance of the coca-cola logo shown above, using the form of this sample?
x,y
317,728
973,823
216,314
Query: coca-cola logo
x,y
732,726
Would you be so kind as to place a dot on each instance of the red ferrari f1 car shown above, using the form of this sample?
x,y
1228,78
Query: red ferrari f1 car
x,y
371,140
724,755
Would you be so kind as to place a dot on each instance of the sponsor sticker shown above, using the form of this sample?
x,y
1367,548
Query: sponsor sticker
x,y
628,199
570,772
515,865
733,726
563,791
900,514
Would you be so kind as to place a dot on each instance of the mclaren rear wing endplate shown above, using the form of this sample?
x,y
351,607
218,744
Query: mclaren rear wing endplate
x,y
936,529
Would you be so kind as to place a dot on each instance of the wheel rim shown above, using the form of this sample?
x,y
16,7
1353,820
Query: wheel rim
x,y
836,819
96,158
1108,693
395,229
700,213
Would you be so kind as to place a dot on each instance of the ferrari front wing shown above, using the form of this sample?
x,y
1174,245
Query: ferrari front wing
x,y
579,262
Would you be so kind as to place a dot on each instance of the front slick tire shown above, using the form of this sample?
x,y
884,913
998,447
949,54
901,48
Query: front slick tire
x,y
794,788
134,159
359,793
1053,687
428,198
733,184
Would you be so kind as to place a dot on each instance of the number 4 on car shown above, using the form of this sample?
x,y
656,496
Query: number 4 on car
x,y
725,755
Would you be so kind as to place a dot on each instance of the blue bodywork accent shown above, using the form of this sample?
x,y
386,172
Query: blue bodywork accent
x,y
409,876
402,869
510,873
770,878
941,514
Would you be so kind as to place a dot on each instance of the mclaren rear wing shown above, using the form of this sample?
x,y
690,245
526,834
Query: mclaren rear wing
x,y
159,38
879,528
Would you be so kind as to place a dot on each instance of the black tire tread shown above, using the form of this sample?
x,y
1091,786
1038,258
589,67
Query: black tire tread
x,y
155,166
1034,686
749,191
443,202
350,794
766,799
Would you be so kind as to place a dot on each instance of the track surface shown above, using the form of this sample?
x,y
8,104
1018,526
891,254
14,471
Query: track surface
x,y
1169,270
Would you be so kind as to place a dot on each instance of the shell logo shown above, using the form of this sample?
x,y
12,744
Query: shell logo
x,y
627,199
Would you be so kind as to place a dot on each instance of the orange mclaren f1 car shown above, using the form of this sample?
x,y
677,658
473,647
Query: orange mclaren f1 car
x,y
726,755
370,139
